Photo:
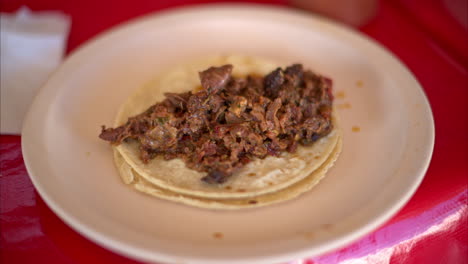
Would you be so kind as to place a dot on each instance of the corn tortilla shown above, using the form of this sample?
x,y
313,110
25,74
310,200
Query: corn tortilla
x,y
259,177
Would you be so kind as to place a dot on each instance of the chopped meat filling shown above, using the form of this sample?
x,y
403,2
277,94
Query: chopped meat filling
x,y
231,121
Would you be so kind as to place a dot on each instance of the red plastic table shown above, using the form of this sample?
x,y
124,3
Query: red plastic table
x,y
430,37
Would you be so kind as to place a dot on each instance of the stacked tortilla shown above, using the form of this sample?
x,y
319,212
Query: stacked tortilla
x,y
260,182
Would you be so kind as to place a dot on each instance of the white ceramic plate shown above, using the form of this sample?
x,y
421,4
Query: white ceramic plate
x,y
379,169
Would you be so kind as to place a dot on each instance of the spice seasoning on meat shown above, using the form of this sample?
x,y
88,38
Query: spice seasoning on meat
x,y
232,120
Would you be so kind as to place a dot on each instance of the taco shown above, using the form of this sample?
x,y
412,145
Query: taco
x,y
238,130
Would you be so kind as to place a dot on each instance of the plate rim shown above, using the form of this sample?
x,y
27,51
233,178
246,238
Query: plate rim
x,y
141,254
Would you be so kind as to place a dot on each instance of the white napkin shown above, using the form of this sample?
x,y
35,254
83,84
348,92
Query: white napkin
x,y
32,46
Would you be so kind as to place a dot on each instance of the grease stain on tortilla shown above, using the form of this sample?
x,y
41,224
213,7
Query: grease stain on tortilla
x,y
356,129
340,95
218,235
253,202
228,188
359,83
252,174
344,106
317,157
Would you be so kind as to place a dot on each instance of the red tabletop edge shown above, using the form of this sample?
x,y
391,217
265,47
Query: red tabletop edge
x,y
431,228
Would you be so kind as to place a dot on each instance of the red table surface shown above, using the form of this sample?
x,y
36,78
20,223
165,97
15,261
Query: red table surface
x,y
431,228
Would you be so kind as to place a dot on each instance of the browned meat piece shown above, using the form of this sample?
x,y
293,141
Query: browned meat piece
x,y
325,111
272,148
271,119
314,128
263,102
178,100
160,137
146,154
258,113
220,130
134,127
215,102
273,82
253,89
309,107
209,148
235,86
292,147
112,134
197,102
216,177
233,120
293,74
197,121
219,115
240,131
215,79
238,105
287,118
